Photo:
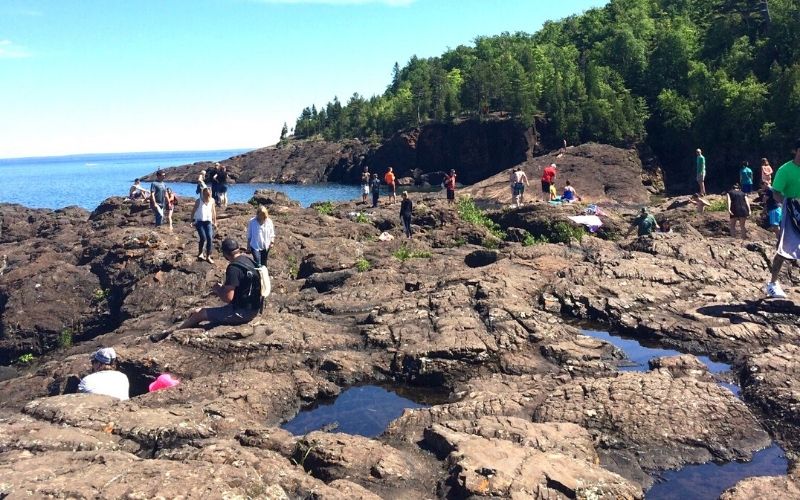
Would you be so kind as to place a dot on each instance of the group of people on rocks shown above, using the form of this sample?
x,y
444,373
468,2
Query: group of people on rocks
x,y
519,180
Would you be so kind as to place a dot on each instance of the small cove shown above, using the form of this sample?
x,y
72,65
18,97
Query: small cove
x,y
701,481
363,410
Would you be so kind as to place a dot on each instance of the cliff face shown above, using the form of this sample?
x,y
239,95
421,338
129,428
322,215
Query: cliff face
x,y
476,150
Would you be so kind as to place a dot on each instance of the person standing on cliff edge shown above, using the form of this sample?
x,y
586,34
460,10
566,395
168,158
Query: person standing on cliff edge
x,y
701,171
786,189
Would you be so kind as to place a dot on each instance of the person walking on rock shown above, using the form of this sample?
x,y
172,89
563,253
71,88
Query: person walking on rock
x,y
548,179
391,183
746,177
450,186
644,223
700,163
105,378
766,173
406,210
739,210
518,182
171,201
241,292
205,218
221,180
786,190
158,197
260,236
375,186
211,181
201,182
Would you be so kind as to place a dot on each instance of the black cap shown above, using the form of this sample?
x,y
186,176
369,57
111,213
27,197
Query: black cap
x,y
229,245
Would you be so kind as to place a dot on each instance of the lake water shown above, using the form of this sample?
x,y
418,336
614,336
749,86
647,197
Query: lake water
x,y
365,410
87,180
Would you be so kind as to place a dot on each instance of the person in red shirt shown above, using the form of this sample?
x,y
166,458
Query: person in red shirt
x,y
450,186
548,179
390,181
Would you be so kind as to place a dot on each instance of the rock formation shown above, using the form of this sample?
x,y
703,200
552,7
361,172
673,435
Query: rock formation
x,y
525,407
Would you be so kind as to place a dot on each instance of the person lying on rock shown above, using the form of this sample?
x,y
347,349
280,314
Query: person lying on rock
x,y
645,224
241,291
105,378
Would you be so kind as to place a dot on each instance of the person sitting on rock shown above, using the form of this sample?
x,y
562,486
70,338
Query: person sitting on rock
x,y
105,378
570,195
241,292
137,192
645,224
700,203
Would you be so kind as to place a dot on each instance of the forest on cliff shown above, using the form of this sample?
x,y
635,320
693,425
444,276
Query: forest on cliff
x,y
723,75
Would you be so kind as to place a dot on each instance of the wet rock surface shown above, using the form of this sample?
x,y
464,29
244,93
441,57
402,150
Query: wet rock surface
x,y
527,406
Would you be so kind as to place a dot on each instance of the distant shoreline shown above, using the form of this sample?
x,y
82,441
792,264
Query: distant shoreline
x,y
74,156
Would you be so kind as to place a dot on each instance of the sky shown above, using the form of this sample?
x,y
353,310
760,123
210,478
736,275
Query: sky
x,y
104,76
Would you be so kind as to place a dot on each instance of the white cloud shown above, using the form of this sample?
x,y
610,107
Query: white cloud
x,y
391,3
10,50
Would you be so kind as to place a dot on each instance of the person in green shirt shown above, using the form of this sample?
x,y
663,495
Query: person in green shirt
x,y
746,178
786,189
645,224
701,172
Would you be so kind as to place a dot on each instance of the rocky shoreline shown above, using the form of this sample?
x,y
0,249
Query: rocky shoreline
x,y
531,407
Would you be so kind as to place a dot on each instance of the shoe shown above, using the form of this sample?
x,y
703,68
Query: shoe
x,y
209,260
775,291
201,257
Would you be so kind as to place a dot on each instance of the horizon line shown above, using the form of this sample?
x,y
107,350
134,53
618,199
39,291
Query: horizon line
x,y
154,151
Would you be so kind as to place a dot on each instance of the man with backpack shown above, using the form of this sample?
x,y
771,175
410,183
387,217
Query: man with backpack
x,y
242,292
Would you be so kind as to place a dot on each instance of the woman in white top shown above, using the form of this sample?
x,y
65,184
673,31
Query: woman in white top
x,y
260,236
205,217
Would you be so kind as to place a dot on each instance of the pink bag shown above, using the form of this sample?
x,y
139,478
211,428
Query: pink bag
x,y
164,381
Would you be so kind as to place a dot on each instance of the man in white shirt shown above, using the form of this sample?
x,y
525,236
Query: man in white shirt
x,y
260,236
105,379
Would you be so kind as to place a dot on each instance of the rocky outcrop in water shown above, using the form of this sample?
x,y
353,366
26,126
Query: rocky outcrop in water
x,y
526,405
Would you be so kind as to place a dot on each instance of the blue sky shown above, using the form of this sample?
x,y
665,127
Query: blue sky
x,y
86,76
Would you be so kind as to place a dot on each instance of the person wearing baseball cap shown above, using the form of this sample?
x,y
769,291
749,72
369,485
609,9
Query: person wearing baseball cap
x,y
548,179
241,291
105,378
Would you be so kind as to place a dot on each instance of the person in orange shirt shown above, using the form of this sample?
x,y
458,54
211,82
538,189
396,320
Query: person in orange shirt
x,y
390,181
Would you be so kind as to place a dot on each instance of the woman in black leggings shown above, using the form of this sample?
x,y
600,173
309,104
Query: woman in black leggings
x,y
406,209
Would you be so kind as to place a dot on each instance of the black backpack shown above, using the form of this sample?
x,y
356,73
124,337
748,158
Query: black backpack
x,y
252,298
